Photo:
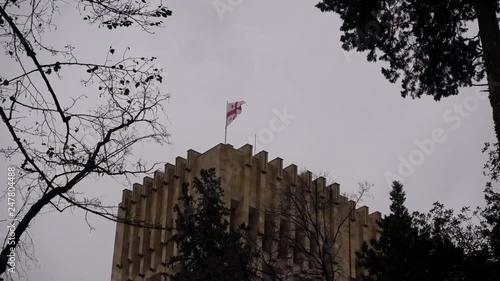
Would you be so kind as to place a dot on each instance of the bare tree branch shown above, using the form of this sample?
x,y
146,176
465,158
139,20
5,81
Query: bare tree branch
x,y
57,138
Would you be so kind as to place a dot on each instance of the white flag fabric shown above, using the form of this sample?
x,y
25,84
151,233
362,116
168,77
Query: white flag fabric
x,y
233,110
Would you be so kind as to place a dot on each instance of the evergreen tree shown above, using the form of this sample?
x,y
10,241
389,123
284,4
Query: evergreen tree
x,y
441,245
458,248
491,229
446,240
207,250
394,257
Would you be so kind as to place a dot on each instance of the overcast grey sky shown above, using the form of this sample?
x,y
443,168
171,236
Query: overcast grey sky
x,y
275,55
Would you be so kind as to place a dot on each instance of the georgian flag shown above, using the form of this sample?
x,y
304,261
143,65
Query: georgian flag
x,y
233,110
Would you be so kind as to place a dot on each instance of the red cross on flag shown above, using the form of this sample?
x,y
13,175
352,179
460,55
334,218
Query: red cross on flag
x,y
233,110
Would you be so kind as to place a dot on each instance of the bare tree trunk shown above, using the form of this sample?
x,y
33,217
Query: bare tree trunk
x,y
26,220
490,39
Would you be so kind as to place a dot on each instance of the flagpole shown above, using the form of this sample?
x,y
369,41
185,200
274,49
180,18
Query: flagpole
x,y
225,129
255,145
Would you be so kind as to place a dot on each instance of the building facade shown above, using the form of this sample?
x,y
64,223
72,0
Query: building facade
x,y
251,183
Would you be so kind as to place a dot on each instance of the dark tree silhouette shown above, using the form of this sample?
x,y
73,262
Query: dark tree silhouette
x,y
491,227
427,44
394,256
58,137
456,246
207,249
439,245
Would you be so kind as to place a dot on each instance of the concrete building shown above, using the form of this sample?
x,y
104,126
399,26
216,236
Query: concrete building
x,y
251,185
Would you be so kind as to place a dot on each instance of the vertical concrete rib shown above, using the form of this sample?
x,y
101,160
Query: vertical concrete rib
x,y
144,253
179,181
121,247
156,209
133,235
258,161
167,214
243,210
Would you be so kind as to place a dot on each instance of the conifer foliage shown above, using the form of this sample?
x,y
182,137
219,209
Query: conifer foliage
x,y
393,257
207,249
441,245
